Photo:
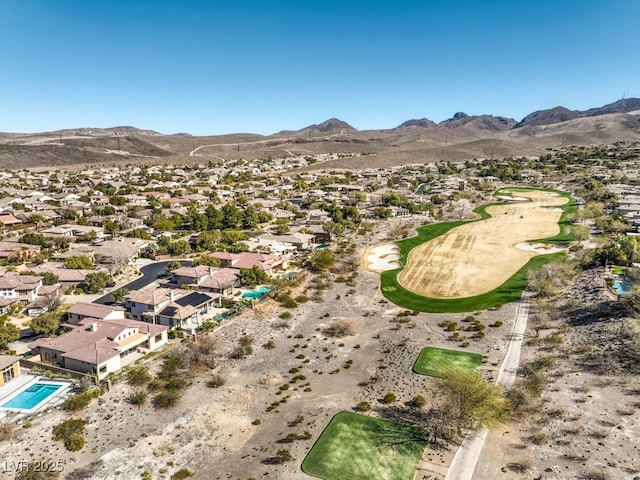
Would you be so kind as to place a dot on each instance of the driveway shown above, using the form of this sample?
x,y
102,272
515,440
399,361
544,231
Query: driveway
x,y
150,273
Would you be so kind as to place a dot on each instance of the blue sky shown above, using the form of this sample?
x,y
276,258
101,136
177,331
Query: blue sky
x,y
213,67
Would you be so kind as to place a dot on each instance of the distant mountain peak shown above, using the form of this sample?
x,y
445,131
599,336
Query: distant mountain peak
x,y
417,122
103,132
562,114
327,126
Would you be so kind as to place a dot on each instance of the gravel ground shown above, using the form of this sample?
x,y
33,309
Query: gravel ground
x,y
210,431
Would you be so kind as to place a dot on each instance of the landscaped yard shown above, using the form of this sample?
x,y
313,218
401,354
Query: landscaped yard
x,y
359,447
435,361
618,270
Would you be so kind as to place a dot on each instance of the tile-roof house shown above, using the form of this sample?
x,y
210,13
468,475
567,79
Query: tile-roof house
x,y
21,251
81,311
9,368
267,263
101,346
23,287
210,279
172,308
66,276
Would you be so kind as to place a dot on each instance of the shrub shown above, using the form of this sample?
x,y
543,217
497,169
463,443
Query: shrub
x,y
497,323
166,399
257,421
81,400
389,398
75,442
6,431
418,401
72,432
138,376
285,315
339,328
270,345
362,407
215,381
182,474
287,302
282,456
139,397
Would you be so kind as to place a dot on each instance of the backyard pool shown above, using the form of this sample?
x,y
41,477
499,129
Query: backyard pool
x,y
31,397
256,294
621,287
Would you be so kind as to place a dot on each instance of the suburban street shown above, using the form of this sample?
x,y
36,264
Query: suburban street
x,y
150,273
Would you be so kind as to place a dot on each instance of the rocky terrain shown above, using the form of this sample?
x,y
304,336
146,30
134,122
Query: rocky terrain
x,y
459,138
588,427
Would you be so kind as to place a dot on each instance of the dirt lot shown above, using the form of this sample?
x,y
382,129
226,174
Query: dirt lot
x,y
211,430
477,257
588,428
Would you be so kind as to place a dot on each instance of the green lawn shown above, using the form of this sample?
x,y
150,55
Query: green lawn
x,y
359,447
509,291
435,361
618,270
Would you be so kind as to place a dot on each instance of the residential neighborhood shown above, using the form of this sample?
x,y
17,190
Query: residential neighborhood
x,y
110,273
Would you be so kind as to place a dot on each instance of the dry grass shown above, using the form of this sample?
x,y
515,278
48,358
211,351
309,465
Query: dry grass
x,y
477,257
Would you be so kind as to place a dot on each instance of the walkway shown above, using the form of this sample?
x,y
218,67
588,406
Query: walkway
x,y
465,459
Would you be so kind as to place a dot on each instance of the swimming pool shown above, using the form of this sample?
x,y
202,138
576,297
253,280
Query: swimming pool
x,y
256,294
31,397
621,288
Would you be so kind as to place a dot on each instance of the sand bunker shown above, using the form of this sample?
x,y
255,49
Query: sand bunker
x,y
382,257
512,199
539,248
477,257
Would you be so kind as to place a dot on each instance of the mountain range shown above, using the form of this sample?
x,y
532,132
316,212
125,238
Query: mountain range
x,y
421,140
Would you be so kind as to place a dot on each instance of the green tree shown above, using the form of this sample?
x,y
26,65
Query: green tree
x,y
253,276
34,239
207,260
179,247
172,265
119,294
322,259
46,323
96,282
8,332
207,241
79,262
139,233
233,236
49,278
281,227
232,217
250,217
470,401
215,217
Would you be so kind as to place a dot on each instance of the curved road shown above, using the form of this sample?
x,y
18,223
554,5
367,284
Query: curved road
x,y
465,459
150,273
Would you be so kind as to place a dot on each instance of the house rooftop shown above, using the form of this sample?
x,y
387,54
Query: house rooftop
x,y
7,360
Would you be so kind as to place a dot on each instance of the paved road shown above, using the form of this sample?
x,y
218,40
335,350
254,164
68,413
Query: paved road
x,y
150,273
465,459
